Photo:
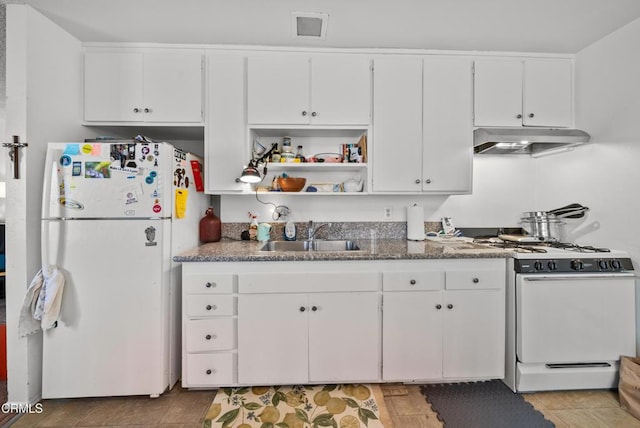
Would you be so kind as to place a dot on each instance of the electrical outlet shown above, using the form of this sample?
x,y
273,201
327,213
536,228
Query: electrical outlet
x,y
388,213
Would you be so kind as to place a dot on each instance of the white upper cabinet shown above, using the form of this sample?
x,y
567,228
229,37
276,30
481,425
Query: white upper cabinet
x,y
529,92
548,93
422,127
226,123
309,90
397,124
447,134
159,87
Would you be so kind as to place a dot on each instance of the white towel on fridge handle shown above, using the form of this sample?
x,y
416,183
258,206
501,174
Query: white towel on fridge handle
x,y
41,306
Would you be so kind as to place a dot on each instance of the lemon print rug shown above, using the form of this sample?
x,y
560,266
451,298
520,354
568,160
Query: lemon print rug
x,y
300,406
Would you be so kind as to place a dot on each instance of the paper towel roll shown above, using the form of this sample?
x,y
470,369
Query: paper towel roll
x,y
415,223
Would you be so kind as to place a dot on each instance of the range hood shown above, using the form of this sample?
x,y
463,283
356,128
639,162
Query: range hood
x,y
526,141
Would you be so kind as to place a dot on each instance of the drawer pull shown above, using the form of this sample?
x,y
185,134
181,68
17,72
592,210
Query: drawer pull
x,y
476,280
211,307
210,371
210,285
412,282
211,336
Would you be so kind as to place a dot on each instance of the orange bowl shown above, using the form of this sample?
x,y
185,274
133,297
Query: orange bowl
x,y
291,184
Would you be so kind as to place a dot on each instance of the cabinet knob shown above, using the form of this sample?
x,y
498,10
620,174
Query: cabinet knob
x,y
428,181
210,371
438,306
314,308
449,306
302,309
417,181
314,114
518,116
476,280
136,110
531,114
412,282
304,112
147,110
211,307
210,285
210,336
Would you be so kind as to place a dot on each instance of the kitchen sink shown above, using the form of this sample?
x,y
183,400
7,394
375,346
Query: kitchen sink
x,y
316,245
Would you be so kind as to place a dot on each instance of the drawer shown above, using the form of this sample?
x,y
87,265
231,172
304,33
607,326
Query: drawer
x,y
475,279
308,282
203,305
211,369
211,334
413,281
208,283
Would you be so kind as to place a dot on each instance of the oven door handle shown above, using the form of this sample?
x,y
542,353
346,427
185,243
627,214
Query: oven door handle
x,y
578,276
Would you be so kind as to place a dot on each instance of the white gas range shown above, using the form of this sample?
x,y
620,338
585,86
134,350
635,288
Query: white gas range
x,y
570,316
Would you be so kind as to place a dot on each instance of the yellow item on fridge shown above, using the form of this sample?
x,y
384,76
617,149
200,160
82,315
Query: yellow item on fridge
x,y
181,202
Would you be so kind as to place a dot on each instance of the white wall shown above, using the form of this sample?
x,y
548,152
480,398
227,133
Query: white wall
x,y
604,175
44,101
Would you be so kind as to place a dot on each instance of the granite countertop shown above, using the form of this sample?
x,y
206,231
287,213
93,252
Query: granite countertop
x,y
228,250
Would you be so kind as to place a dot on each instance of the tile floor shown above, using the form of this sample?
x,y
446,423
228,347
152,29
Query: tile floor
x,y
186,409
566,409
178,408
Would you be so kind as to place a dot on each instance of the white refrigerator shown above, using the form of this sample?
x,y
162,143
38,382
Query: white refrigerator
x,y
114,213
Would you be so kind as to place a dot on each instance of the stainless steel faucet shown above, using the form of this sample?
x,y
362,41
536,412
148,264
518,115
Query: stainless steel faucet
x,y
312,229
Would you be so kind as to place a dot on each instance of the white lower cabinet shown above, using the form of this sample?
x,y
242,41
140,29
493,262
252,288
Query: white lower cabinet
x,y
271,323
444,322
316,337
318,325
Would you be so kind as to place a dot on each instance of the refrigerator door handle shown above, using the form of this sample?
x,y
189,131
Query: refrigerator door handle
x,y
50,167
44,250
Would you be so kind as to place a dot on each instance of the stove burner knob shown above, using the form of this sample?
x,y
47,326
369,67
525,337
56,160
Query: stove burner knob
x,y
538,265
603,265
552,265
615,264
577,265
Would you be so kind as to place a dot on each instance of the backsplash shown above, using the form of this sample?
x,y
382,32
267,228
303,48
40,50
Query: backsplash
x,y
337,230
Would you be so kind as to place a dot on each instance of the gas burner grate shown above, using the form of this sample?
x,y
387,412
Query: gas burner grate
x,y
578,248
511,245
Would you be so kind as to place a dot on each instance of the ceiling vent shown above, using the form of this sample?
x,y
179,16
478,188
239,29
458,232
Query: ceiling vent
x,y
309,25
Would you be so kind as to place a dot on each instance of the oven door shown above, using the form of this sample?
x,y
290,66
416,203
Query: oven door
x,y
575,318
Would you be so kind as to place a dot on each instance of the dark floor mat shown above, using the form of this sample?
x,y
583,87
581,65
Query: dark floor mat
x,y
488,404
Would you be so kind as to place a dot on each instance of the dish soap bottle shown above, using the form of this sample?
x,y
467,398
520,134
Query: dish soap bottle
x,y
253,227
290,231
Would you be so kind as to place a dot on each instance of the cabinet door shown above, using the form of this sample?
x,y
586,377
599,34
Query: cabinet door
x,y
173,87
278,89
272,339
226,123
340,90
498,93
412,332
113,87
397,124
447,153
344,337
548,93
474,332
